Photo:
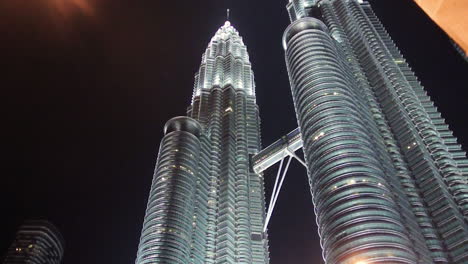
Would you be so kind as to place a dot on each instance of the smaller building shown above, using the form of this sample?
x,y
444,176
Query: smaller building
x,y
36,242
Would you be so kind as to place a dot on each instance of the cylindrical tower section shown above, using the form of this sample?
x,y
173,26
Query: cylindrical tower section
x,y
358,218
169,220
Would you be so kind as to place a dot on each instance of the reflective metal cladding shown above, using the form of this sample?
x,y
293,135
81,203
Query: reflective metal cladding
x,y
388,179
206,205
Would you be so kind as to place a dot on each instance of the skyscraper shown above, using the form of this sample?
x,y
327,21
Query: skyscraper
x,y
36,242
206,205
387,177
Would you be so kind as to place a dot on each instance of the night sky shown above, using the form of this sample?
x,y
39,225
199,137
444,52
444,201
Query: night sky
x,y
87,86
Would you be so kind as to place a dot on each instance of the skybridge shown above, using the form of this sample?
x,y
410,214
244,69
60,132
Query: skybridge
x,y
285,147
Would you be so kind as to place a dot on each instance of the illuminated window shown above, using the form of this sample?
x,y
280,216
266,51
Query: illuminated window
x,y
321,134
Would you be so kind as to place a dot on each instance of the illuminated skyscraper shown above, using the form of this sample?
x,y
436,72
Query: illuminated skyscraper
x,y
388,179
36,242
206,205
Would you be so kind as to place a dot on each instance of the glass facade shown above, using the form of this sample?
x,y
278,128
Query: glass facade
x,y
388,179
206,205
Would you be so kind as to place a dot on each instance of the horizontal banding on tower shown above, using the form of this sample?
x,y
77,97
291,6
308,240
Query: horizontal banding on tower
x,y
300,25
183,123
357,214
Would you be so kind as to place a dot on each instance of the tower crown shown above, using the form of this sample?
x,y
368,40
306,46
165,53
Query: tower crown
x,y
225,32
225,63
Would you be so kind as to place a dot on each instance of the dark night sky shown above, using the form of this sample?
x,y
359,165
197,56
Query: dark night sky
x,y
87,86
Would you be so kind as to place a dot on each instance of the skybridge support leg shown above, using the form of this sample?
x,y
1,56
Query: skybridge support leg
x,y
293,154
276,190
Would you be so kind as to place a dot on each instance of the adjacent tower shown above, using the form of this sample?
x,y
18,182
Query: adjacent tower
x,y
388,179
36,242
206,205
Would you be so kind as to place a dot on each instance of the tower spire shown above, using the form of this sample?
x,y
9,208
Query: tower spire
x,y
227,14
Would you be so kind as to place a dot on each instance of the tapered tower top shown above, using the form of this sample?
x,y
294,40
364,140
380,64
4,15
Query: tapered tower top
x,y
225,63
227,32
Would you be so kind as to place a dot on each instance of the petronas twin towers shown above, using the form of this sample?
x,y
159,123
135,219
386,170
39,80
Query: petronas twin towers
x,y
388,180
